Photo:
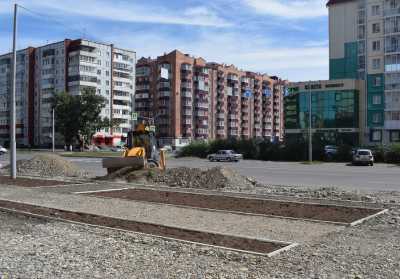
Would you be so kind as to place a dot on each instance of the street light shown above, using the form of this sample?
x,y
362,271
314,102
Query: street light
x,y
310,151
13,145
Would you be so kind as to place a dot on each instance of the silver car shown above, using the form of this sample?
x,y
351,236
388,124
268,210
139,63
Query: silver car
x,y
363,157
225,155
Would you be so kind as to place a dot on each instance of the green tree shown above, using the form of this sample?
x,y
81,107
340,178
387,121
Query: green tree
x,y
79,116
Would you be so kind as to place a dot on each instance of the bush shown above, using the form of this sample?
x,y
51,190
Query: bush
x,y
392,156
195,149
344,153
379,153
295,149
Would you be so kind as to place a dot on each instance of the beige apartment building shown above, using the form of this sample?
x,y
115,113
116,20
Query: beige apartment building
x,y
189,98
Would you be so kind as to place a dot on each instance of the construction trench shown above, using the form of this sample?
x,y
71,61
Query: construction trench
x,y
243,223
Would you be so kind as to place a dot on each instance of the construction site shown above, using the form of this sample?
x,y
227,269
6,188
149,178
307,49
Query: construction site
x,y
188,223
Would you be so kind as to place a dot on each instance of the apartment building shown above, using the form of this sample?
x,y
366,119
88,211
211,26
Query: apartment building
x,y
189,98
71,66
24,96
365,44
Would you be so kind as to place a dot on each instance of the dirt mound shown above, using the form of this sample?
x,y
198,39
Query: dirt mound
x,y
213,178
48,165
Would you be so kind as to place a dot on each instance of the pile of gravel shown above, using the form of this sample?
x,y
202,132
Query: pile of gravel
x,y
48,165
213,178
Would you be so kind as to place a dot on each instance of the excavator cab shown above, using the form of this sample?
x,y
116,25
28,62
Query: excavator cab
x,y
141,152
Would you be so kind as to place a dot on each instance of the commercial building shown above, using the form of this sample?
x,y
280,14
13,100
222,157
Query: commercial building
x,y
71,66
364,38
336,110
189,98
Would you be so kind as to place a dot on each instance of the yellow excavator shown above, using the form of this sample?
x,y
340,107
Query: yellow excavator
x,y
141,152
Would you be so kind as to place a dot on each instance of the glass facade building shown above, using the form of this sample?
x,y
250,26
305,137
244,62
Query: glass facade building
x,y
335,112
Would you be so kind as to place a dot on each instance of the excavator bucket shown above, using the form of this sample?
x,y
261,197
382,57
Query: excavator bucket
x,y
114,164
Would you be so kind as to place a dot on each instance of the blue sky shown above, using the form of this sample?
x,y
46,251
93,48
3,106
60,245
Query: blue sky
x,y
288,38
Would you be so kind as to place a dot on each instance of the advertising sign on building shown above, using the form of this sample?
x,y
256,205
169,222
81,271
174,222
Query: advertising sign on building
x,y
164,73
267,92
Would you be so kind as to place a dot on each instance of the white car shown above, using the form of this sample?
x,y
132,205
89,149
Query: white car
x,y
2,150
363,156
225,155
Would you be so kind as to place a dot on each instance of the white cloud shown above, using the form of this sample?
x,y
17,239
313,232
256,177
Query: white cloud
x,y
128,12
290,9
243,50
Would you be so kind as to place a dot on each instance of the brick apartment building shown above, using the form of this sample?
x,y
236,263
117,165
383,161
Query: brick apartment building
x,y
71,66
189,98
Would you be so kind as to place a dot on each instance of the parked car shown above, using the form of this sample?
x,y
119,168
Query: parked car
x,y
330,151
3,150
363,157
225,155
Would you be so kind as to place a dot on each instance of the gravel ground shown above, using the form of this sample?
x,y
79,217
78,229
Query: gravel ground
x,y
34,248
47,165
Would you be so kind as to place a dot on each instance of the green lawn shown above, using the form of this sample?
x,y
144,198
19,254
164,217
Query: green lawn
x,y
92,154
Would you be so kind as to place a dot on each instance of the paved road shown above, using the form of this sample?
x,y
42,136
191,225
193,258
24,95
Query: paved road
x,y
381,177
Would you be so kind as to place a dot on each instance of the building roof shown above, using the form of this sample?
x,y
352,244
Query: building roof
x,y
334,2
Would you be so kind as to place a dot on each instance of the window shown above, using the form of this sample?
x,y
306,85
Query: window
x,y
376,63
376,45
99,72
375,10
376,28
377,118
107,82
395,136
376,100
376,135
377,81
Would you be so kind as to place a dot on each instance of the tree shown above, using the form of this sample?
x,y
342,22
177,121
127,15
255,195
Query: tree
x,y
79,116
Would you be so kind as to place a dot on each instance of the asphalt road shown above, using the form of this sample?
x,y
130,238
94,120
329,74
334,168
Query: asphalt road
x,y
381,177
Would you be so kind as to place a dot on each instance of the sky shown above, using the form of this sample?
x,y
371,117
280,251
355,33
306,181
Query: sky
x,y
288,38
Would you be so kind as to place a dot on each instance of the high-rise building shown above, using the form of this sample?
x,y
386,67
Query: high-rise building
x,y
364,40
71,66
189,98
24,96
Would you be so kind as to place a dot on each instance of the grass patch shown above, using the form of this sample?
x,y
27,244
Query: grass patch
x,y
312,163
92,154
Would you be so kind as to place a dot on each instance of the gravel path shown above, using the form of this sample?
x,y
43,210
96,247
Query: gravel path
x,y
33,248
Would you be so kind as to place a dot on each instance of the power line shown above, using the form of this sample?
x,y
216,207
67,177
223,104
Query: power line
x,y
81,31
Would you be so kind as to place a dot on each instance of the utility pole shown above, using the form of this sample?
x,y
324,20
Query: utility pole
x,y
13,145
310,151
53,132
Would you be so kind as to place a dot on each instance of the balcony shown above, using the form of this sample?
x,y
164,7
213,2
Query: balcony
x,y
221,115
221,132
201,105
186,85
164,94
202,114
187,112
140,96
187,122
187,103
232,125
186,94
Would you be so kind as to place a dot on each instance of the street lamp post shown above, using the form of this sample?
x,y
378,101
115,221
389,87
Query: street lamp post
x,y
13,145
53,132
310,151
